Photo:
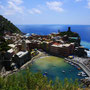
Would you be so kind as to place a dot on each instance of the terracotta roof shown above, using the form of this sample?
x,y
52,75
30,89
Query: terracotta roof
x,y
56,43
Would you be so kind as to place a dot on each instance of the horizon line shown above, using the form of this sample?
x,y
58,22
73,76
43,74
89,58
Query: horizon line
x,y
55,24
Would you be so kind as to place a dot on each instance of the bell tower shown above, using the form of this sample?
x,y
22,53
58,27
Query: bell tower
x,y
24,46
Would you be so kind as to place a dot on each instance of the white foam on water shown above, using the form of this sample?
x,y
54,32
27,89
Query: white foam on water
x,y
85,44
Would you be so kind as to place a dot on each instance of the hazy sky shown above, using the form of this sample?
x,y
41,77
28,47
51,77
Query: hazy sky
x,y
46,11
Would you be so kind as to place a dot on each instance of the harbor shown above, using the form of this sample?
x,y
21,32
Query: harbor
x,y
53,67
79,61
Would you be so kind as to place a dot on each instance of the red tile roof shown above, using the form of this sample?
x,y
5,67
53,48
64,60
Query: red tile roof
x,y
56,43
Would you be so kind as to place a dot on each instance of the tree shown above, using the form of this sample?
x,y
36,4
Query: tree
x,y
25,80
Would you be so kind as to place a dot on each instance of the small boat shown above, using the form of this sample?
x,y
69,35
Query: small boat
x,y
63,71
44,75
79,68
72,64
79,74
69,62
82,74
45,72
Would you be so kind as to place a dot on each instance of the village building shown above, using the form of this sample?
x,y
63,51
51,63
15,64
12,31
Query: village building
x,y
21,58
62,49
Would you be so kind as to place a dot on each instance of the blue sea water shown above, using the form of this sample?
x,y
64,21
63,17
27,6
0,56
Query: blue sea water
x,y
83,30
54,67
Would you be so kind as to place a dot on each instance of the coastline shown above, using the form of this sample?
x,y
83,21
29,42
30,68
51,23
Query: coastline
x,y
44,54
84,68
41,54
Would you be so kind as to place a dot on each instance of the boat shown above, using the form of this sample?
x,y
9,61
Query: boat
x,y
79,74
87,77
63,71
72,64
69,62
79,68
45,72
82,74
44,75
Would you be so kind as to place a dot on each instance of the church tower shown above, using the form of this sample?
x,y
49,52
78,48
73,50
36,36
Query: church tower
x,y
24,46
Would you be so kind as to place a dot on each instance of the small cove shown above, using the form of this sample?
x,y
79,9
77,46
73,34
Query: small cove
x,y
54,66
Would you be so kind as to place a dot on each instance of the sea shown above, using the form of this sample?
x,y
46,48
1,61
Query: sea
x,y
55,67
82,30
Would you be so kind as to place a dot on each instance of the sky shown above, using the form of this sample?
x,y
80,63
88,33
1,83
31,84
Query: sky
x,y
75,12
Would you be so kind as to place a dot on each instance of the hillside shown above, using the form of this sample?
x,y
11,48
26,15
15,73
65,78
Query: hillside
x,y
7,26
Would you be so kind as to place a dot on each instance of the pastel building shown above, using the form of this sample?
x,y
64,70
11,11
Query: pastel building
x,y
62,49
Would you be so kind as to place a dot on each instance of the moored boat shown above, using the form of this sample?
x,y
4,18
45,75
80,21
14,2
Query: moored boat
x,y
63,71
82,74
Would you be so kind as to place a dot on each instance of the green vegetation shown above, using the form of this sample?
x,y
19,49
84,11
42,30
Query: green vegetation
x,y
4,44
74,35
37,81
7,26
69,34
4,47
